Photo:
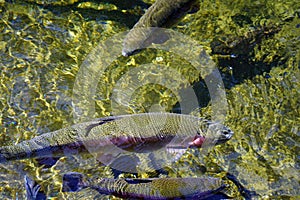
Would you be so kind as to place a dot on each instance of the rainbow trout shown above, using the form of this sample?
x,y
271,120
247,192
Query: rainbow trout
x,y
152,188
137,133
163,13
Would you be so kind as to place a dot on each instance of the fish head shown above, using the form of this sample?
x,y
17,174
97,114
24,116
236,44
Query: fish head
x,y
215,134
224,135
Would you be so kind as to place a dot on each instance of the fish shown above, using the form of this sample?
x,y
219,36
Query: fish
x,y
163,14
150,188
137,133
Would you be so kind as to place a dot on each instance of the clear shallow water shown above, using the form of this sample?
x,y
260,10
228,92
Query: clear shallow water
x,y
255,45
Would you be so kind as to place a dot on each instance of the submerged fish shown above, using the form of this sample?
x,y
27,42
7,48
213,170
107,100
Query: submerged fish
x,y
134,133
152,188
163,13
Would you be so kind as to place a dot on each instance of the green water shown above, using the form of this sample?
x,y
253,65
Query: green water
x,y
254,43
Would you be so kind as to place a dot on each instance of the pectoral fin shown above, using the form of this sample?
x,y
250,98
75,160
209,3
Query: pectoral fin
x,y
124,163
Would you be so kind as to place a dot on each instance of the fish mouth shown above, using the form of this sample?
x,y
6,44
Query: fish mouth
x,y
221,141
198,140
225,136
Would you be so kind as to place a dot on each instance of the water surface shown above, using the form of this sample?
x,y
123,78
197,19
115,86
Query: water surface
x,y
255,45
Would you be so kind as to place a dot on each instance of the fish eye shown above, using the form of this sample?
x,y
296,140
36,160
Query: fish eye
x,y
227,132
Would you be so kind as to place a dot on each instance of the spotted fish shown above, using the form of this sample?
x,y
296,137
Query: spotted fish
x,y
163,13
138,133
152,188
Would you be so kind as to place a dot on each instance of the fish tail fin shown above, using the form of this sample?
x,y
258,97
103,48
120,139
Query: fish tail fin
x,y
73,182
33,191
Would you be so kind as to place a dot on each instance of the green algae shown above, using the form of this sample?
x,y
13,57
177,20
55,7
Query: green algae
x,y
265,112
41,52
